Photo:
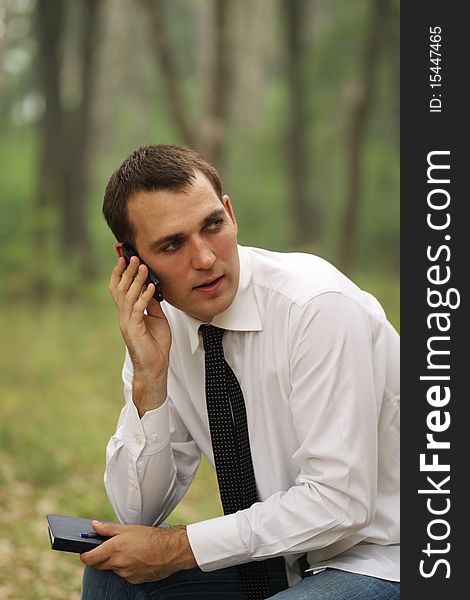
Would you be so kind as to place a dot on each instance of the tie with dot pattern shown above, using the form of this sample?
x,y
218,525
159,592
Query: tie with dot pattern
x,y
231,445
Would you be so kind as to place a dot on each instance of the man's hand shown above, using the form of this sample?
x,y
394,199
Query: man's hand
x,y
140,554
147,336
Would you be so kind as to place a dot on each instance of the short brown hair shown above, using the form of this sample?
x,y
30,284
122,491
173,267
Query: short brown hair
x,y
151,168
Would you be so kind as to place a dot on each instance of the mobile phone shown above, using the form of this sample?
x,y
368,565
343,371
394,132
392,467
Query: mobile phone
x,y
128,251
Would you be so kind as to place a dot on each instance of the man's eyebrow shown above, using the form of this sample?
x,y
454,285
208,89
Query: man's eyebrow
x,y
174,237
215,214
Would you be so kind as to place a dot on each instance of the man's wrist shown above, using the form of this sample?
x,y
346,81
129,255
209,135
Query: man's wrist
x,y
185,549
148,393
182,556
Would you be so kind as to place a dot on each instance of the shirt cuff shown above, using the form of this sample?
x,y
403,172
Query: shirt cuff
x,y
147,435
216,543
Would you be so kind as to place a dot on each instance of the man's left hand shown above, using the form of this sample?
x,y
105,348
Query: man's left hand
x,y
140,554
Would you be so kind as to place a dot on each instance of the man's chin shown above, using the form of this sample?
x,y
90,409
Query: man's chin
x,y
208,309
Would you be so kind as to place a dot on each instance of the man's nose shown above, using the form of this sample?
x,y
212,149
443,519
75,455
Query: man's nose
x,y
202,256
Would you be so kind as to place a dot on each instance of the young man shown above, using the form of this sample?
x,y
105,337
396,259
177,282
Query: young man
x,y
308,375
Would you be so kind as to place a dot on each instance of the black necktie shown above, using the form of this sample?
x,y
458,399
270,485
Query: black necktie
x,y
231,446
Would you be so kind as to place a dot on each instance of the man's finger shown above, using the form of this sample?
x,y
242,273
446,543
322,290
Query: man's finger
x,y
128,275
154,308
100,555
97,557
137,286
108,529
116,275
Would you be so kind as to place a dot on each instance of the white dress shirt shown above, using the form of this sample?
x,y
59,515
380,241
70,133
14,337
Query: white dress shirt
x,y
318,364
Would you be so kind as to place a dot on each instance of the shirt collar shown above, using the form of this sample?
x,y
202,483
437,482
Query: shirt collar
x,y
241,315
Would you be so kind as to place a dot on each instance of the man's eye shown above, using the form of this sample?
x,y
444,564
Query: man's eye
x,y
217,224
171,246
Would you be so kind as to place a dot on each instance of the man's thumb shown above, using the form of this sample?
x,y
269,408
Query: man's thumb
x,y
106,529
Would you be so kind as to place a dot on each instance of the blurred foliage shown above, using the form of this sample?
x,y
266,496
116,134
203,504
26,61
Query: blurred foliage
x,y
130,109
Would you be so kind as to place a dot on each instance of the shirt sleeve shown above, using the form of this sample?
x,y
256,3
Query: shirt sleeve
x,y
150,462
334,402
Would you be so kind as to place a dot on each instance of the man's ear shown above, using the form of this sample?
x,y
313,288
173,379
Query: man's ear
x,y
117,248
229,209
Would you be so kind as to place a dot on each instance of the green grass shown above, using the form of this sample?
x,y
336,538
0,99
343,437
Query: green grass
x,y
60,396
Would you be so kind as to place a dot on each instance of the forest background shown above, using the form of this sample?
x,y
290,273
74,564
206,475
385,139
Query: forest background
x,y
297,104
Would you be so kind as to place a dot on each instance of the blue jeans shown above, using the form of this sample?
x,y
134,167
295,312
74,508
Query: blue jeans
x,y
333,584
194,584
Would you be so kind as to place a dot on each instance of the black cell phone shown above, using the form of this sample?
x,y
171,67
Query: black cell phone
x,y
128,251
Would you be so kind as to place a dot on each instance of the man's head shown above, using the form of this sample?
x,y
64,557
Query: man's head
x,y
167,202
151,169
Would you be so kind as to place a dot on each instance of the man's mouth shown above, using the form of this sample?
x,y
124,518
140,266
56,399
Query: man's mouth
x,y
208,284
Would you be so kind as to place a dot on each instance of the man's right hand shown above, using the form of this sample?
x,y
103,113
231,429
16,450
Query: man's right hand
x,y
147,336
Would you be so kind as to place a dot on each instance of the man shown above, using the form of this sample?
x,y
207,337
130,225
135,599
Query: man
x,y
309,367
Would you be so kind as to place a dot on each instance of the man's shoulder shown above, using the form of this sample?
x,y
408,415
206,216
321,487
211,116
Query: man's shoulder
x,y
297,279
298,276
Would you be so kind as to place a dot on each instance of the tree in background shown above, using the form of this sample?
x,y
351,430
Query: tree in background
x,y
65,128
205,134
50,188
257,88
358,114
305,211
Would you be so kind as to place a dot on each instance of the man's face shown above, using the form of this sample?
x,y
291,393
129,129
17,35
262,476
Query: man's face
x,y
189,239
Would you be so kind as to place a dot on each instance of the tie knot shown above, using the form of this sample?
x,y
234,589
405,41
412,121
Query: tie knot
x,y
211,336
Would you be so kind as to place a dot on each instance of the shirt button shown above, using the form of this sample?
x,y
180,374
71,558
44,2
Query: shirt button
x,y
139,440
154,439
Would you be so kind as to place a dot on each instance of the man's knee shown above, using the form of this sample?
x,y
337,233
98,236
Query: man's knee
x,y
335,584
103,585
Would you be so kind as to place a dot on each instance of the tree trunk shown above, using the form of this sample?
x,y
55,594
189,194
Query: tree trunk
x,y
77,132
49,19
63,168
164,55
211,135
306,218
206,138
360,105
